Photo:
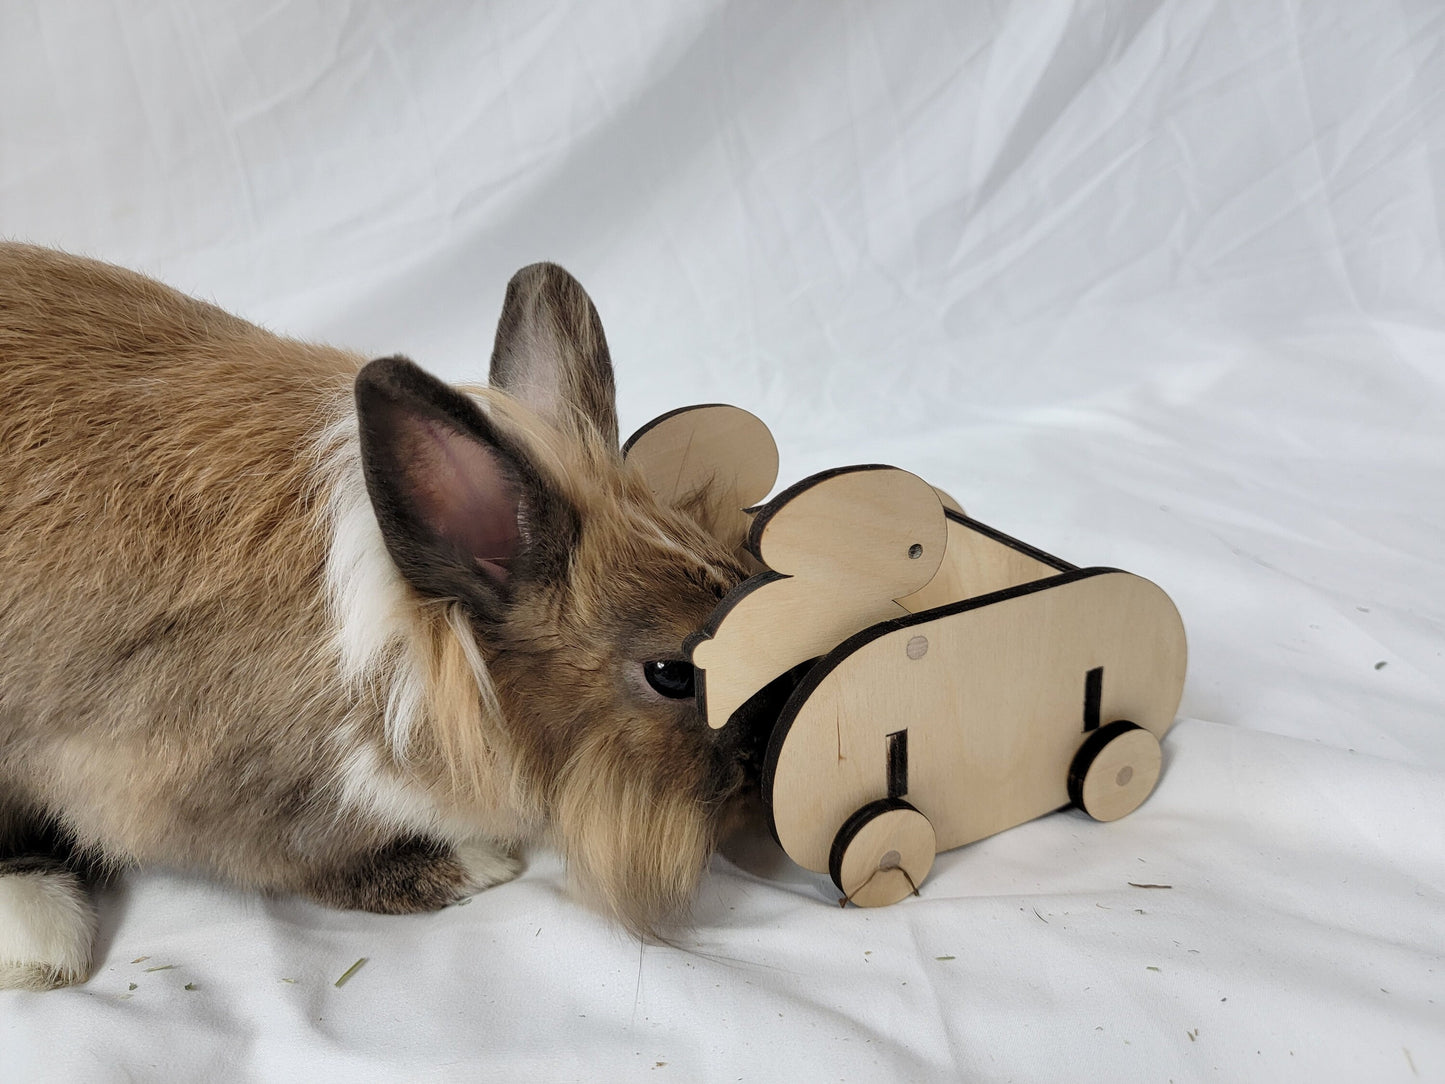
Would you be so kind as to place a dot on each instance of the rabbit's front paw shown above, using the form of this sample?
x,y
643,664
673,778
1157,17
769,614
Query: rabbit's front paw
x,y
487,863
415,874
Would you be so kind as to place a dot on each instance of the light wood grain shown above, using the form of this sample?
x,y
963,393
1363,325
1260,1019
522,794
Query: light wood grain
x,y
842,547
887,858
976,564
1121,775
716,459
993,705
948,502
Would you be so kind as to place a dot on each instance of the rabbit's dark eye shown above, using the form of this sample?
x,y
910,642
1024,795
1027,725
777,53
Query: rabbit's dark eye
x,y
672,678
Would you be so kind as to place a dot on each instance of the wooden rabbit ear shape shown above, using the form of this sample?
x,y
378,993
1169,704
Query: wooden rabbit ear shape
x,y
551,352
880,527
847,544
713,460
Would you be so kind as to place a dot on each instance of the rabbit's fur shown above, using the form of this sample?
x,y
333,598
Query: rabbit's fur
x,y
348,636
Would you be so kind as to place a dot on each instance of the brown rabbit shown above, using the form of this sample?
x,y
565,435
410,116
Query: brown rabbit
x,y
332,628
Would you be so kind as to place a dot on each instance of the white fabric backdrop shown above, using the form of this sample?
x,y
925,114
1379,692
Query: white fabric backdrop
x,y
1155,285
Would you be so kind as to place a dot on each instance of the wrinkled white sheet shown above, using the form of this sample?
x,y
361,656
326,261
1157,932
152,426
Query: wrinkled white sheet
x,y
1155,285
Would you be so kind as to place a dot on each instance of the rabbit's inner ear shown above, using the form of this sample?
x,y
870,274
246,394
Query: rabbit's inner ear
x,y
447,491
551,352
462,494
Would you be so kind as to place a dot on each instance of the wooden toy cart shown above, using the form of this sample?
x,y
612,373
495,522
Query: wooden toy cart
x,y
956,682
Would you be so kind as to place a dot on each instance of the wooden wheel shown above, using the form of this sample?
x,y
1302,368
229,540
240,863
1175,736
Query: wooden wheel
x,y
882,854
1115,770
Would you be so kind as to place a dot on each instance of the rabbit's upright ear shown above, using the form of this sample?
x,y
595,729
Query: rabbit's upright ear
x,y
463,513
551,352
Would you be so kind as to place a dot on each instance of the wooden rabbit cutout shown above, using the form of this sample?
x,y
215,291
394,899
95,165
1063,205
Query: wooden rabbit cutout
x,y
839,549
714,460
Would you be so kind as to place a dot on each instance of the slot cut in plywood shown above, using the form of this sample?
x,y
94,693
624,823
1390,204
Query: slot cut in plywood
x,y
992,708
955,682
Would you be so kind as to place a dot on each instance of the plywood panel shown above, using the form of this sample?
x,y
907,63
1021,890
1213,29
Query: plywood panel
x,y
715,459
840,546
992,698
980,560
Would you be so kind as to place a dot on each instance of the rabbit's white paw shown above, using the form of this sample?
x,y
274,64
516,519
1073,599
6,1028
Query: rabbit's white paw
x,y
47,926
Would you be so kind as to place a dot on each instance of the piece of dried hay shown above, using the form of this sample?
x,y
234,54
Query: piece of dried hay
x,y
352,970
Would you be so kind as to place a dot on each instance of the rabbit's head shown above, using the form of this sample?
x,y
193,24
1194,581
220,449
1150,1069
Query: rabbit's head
x,y
565,592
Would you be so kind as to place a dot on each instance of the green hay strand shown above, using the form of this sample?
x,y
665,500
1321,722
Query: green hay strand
x,y
352,970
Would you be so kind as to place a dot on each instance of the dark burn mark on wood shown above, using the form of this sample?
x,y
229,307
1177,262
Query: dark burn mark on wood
x,y
826,664
1012,543
745,738
766,513
898,764
650,426
1093,695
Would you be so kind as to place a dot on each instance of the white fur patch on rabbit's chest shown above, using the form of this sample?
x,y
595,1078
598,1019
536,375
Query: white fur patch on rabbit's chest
x,y
370,788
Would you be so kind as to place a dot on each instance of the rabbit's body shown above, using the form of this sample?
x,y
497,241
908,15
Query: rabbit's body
x,y
242,632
